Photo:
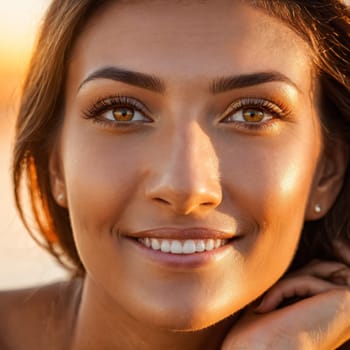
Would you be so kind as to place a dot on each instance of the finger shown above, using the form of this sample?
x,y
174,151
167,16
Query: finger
x,y
298,286
319,322
342,250
341,276
320,269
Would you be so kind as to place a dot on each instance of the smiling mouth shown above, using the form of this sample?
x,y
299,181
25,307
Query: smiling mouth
x,y
183,241
187,246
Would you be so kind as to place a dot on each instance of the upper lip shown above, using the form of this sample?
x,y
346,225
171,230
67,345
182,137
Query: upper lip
x,y
183,233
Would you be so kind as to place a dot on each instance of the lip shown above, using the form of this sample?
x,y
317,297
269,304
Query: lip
x,y
182,262
183,233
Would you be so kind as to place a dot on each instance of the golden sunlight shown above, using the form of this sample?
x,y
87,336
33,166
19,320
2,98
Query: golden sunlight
x,y
22,263
18,25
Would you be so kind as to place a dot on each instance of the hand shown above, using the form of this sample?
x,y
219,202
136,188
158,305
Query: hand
x,y
320,321
342,250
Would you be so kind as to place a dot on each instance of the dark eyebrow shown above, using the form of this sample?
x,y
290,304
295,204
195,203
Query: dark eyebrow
x,y
141,80
225,84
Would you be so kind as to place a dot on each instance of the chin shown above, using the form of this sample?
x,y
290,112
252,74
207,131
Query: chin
x,y
186,319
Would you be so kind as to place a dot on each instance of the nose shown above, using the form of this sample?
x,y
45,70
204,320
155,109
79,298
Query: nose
x,y
186,179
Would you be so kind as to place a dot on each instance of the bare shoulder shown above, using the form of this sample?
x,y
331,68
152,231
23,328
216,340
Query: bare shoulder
x,y
38,318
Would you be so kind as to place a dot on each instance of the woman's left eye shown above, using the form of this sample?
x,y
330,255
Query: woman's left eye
x,y
249,115
255,114
123,114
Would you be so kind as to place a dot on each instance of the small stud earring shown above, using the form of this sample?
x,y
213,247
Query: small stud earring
x,y
318,208
60,197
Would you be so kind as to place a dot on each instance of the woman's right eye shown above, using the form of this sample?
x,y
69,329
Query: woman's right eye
x,y
124,115
118,111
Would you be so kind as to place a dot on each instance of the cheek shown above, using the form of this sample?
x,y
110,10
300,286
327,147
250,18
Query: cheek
x,y
270,190
102,176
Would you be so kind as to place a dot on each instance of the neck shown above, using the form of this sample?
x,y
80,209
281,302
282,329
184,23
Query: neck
x,y
105,325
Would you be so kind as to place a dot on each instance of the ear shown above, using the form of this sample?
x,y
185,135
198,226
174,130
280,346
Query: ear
x,y
57,182
328,179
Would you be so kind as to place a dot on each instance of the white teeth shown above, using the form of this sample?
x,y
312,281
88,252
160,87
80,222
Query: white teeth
x,y
155,245
188,246
210,244
165,246
176,247
147,242
200,246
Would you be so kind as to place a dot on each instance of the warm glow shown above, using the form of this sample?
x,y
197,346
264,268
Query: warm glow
x,y
22,263
18,26
19,21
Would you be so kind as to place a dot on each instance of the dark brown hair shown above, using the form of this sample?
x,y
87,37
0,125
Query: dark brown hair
x,y
324,25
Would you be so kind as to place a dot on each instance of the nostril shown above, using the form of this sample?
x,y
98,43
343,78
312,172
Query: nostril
x,y
161,200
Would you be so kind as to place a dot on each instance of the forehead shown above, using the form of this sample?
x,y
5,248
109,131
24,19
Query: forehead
x,y
164,37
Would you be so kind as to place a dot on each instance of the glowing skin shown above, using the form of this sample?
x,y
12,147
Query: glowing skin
x,y
184,162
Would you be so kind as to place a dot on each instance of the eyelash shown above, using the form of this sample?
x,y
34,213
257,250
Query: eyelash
x,y
278,110
103,105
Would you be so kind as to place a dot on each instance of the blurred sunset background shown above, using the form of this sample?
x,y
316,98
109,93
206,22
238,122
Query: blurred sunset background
x,y
22,263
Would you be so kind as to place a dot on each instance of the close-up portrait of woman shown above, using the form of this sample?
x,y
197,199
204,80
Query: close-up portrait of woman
x,y
187,162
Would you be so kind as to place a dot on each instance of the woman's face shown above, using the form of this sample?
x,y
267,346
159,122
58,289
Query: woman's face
x,y
188,125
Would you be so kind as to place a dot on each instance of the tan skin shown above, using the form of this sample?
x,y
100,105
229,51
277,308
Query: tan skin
x,y
246,161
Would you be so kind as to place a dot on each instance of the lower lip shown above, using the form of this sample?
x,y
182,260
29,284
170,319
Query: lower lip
x,y
183,261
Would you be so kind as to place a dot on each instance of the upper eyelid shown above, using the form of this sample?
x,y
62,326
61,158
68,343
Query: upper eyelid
x,y
125,101
253,102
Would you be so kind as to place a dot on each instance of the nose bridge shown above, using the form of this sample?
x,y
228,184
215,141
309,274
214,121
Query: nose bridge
x,y
189,176
194,157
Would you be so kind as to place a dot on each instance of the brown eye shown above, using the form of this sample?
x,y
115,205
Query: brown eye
x,y
253,115
249,116
123,114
